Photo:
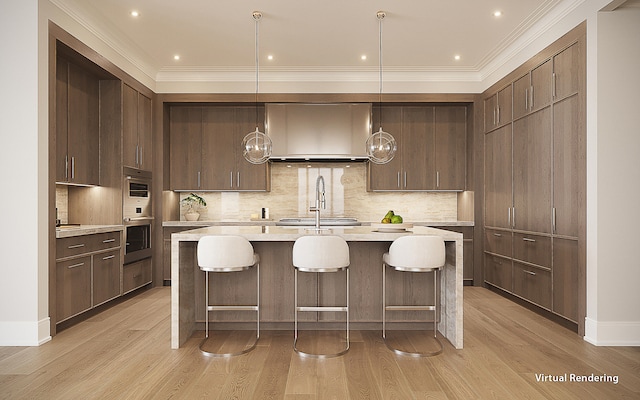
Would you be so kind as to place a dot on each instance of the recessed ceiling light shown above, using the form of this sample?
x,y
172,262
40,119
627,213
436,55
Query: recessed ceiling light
x,y
176,57
269,57
363,57
497,13
134,13
456,57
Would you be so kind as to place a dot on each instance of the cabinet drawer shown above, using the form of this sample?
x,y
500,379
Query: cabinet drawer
x,y
136,275
533,284
73,246
497,271
106,276
497,242
532,249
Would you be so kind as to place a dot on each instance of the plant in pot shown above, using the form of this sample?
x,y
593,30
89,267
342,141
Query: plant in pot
x,y
193,201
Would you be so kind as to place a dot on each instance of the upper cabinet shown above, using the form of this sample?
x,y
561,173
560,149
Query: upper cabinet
x,y
497,109
206,152
532,91
136,129
567,69
77,124
431,151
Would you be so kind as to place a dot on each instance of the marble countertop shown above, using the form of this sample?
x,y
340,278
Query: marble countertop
x,y
81,230
283,234
169,224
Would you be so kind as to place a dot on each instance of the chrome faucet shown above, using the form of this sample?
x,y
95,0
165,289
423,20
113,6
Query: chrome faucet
x,y
319,200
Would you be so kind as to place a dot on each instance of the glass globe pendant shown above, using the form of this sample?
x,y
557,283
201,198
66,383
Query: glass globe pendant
x,y
256,145
381,146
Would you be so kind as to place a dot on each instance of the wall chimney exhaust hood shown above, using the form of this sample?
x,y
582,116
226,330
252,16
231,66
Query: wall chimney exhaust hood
x,y
318,131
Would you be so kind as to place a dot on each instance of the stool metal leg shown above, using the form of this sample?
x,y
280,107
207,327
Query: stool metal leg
x,y
209,308
433,308
318,308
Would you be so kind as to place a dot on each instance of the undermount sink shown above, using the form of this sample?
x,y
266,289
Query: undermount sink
x,y
335,221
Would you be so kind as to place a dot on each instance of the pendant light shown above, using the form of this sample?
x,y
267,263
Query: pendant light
x,y
381,146
256,145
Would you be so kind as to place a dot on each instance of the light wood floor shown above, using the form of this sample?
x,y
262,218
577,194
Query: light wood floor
x,y
125,353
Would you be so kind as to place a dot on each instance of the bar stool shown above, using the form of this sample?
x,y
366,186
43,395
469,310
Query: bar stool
x,y
321,253
419,253
223,254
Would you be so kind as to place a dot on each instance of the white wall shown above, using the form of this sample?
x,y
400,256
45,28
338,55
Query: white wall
x,y
613,314
23,173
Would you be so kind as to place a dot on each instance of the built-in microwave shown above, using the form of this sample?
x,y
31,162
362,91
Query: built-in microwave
x,y
137,215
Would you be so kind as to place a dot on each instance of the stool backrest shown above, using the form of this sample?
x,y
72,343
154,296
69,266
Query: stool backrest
x,y
222,251
321,251
417,251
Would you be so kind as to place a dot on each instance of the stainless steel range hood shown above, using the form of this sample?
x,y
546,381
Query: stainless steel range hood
x,y
318,131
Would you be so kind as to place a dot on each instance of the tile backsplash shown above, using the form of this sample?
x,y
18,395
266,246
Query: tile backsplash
x,y
293,192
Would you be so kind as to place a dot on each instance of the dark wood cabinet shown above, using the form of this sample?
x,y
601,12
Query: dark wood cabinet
x,y
106,276
431,151
498,109
136,129
87,272
535,185
77,125
532,172
206,145
136,275
498,178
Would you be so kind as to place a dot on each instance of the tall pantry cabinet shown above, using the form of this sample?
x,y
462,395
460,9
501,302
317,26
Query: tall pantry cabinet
x,y
534,176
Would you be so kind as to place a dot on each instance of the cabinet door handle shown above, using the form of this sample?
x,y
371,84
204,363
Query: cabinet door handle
x,y
108,241
526,99
553,220
75,246
513,219
438,179
73,168
531,97
509,216
498,108
137,160
231,179
497,235
529,272
66,167
141,153
553,85
108,257
398,179
405,179
494,117
238,179
75,265
529,240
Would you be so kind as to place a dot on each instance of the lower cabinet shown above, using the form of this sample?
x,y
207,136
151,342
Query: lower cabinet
x,y
565,278
136,275
498,271
532,284
87,272
73,284
106,277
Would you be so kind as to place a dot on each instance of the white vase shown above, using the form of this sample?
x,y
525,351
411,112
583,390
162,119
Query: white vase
x,y
191,215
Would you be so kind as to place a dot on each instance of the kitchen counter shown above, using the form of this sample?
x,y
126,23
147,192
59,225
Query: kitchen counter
x,y
274,244
81,230
169,224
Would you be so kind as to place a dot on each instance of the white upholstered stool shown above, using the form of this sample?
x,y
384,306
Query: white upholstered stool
x,y
320,253
414,253
221,254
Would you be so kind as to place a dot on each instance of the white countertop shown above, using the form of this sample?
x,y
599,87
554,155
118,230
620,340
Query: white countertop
x,y
81,230
284,234
168,224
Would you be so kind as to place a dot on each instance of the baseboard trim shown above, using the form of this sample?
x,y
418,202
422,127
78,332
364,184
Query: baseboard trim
x,y
612,333
25,333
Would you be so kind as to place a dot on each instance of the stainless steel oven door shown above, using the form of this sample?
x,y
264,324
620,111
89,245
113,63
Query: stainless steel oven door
x,y
137,241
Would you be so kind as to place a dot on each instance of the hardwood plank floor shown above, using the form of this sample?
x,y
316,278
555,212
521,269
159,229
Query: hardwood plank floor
x,y
124,353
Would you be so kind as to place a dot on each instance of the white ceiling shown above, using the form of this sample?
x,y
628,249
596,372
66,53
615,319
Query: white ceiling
x,y
217,37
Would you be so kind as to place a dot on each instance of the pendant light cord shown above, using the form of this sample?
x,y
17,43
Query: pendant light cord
x,y
257,16
380,16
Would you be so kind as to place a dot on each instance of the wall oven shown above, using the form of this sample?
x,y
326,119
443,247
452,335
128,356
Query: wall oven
x,y
137,216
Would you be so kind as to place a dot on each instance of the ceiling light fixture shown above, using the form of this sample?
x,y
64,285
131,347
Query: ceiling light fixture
x,y
381,146
256,146
134,13
456,57
176,57
497,13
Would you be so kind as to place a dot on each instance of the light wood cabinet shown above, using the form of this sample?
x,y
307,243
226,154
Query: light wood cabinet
x,y
206,149
532,283
498,271
565,278
567,70
498,178
73,287
532,91
431,151
77,125
136,129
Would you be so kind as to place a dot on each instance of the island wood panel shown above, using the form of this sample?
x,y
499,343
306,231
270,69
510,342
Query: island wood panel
x,y
277,288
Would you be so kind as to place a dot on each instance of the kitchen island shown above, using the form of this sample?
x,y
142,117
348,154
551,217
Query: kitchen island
x,y
274,245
